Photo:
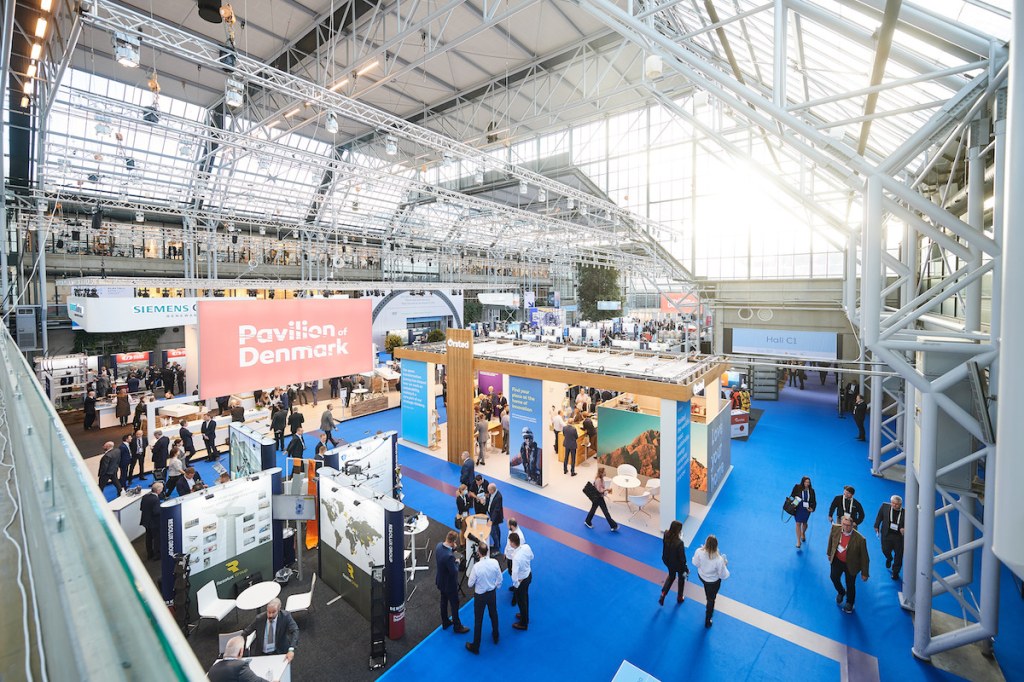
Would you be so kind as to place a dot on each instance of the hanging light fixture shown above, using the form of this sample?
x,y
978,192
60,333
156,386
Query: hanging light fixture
x,y
478,176
447,158
234,94
653,67
570,203
390,145
331,123
523,187
542,194
126,50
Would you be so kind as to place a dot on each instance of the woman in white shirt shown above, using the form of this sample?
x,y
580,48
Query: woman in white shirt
x,y
713,568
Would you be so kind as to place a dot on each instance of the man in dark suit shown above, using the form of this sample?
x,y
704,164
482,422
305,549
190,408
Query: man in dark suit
x,y
846,505
278,423
447,580
160,449
496,513
295,419
209,431
467,472
231,668
167,378
276,631
186,441
124,460
90,410
569,437
860,413
137,445
296,446
889,528
109,461
189,483
150,507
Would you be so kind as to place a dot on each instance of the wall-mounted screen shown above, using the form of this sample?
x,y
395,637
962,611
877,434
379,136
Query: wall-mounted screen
x,y
785,342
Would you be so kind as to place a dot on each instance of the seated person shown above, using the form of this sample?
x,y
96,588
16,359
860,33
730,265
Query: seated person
x,y
276,632
190,482
233,668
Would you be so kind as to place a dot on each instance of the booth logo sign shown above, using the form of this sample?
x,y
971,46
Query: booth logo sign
x,y
232,566
452,343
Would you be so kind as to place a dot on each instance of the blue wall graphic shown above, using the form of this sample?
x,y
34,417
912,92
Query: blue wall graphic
x,y
526,412
415,422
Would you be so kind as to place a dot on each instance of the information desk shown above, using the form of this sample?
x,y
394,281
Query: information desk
x,y
105,409
369,405
178,411
128,510
478,525
276,667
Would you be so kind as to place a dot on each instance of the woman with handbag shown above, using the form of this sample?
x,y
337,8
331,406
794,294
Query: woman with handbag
x,y
601,490
712,568
803,495
673,555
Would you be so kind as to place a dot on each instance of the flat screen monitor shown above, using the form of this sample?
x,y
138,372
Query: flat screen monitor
x,y
294,507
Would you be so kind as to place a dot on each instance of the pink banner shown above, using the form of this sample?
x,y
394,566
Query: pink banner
x,y
245,345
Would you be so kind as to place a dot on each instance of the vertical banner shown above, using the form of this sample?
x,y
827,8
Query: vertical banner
x,y
415,402
394,566
712,449
526,429
459,367
682,470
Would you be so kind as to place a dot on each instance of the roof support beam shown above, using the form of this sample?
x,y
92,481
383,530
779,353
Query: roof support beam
x,y
885,34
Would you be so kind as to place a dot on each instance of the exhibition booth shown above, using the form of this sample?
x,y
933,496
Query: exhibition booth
x,y
640,406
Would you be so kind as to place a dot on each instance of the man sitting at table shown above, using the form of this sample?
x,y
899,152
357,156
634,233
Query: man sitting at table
x,y
276,631
189,483
232,668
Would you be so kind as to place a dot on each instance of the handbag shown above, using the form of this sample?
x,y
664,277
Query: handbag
x,y
591,491
791,505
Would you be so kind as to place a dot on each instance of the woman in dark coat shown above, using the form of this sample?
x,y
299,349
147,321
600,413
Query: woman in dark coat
x,y
673,554
122,410
807,503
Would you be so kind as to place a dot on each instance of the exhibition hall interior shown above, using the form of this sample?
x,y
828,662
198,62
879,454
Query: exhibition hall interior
x,y
632,340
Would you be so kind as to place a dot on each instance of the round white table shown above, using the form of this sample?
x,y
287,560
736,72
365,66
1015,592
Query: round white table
x,y
360,392
257,596
421,525
627,483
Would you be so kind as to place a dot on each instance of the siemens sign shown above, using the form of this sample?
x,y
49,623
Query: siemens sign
x,y
130,314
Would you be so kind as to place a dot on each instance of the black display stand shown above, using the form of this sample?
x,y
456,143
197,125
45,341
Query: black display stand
x,y
378,619
182,598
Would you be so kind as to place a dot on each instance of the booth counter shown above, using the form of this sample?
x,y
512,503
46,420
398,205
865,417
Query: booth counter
x,y
128,510
105,409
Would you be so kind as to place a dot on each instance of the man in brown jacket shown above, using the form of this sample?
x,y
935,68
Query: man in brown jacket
x,y
848,555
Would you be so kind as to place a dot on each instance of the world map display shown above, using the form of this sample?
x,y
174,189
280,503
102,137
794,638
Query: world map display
x,y
351,528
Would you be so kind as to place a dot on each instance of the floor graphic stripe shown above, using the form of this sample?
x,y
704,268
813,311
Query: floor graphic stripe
x,y
855,665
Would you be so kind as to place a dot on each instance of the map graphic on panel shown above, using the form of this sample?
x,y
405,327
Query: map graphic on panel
x,y
353,529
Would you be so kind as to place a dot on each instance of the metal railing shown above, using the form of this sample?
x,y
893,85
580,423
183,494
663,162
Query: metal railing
x,y
100,616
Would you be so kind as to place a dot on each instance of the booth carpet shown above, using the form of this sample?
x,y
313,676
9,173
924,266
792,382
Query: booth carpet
x,y
334,640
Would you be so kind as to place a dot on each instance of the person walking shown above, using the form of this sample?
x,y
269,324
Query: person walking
x,y
90,411
109,462
327,424
673,555
149,508
848,556
846,505
278,423
712,568
522,577
485,578
808,502
295,419
187,443
889,528
467,472
598,501
297,446
860,413
446,578
557,424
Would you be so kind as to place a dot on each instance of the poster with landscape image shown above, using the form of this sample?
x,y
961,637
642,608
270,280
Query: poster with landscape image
x,y
629,438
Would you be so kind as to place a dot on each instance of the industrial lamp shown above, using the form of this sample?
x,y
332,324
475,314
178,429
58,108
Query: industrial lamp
x,y
390,145
234,94
331,124
126,50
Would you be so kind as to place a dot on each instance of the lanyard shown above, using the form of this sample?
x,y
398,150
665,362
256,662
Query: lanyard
x,y
899,515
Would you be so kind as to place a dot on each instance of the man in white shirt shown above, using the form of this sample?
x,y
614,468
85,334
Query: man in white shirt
x,y
557,424
522,576
485,579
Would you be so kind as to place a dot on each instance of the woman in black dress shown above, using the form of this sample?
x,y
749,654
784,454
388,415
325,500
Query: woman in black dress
x,y
807,503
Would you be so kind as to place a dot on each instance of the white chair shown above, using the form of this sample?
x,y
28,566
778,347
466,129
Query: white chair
x,y
626,470
654,485
223,639
303,601
211,605
640,501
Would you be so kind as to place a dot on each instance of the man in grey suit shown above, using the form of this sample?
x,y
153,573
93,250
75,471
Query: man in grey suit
x,y
276,631
231,668
327,424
